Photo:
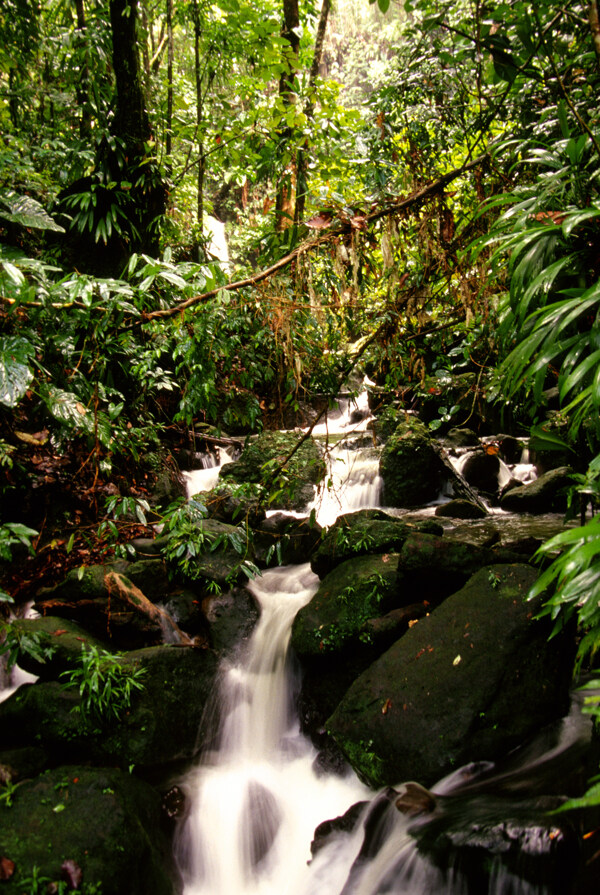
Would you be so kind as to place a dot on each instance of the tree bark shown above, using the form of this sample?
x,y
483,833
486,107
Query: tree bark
x,y
131,121
594,19
83,85
286,188
309,108
170,57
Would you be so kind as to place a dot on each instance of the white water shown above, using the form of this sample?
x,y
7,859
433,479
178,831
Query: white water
x,y
256,800
205,479
353,483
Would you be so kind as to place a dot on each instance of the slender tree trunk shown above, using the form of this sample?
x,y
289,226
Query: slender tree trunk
x,y
170,56
286,188
82,89
595,27
309,108
131,126
199,118
131,121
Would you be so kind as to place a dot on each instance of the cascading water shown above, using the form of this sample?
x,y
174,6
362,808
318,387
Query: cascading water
x,y
255,799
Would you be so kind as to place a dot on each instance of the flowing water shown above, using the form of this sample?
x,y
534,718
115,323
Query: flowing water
x,y
255,798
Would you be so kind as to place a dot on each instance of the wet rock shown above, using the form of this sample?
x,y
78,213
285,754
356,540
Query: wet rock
x,y
435,567
460,509
261,818
60,639
546,494
304,469
413,800
461,438
357,534
96,825
329,829
357,590
481,469
231,617
499,837
161,726
411,470
226,506
286,540
104,608
470,681
20,764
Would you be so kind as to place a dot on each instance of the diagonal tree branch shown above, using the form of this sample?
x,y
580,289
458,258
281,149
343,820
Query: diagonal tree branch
x,y
425,193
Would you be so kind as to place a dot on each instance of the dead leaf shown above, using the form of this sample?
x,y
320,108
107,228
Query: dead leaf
x,y
72,873
60,631
386,706
320,221
7,868
38,439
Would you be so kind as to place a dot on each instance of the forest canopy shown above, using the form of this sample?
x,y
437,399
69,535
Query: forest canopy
x,y
213,211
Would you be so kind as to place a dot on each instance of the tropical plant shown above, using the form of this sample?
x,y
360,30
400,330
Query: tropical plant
x,y
105,683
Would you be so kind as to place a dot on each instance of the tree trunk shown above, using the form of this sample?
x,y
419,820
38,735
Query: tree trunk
x,y
286,188
131,126
309,108
170,56
82,89
199,119
131,122
595,27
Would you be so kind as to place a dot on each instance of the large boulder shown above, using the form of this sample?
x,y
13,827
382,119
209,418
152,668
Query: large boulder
x,y
470,681
334,620
285,540
356,534
304,468
58,643
411,469
546,494
161,726
87,827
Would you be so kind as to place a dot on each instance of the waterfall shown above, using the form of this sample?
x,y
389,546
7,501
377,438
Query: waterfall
x,y
256,800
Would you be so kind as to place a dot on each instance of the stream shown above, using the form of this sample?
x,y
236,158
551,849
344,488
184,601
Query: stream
x,y
256,797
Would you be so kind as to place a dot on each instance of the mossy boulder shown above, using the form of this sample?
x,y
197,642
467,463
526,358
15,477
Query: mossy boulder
x,y
544,495
302,471
227,504
470,681
286,540
100,823
161,726
411,470
357,534
58,639
333,621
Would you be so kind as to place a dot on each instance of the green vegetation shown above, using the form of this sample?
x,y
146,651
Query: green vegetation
x,y
410,189
105,685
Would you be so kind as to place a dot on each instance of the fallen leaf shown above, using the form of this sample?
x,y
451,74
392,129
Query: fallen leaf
x,y
7,868
386,706
60,631
458,660
320,221
72,873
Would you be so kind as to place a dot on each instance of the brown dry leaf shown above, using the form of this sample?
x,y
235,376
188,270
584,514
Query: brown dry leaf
x,y
320,221
7,868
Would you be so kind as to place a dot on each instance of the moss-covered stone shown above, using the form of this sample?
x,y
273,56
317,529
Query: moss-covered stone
x,y
357,534
161,726
411,470
469,682
357,590
104,821
63,638
304,469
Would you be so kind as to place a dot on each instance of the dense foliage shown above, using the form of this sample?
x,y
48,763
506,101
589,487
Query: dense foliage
x,y
424,182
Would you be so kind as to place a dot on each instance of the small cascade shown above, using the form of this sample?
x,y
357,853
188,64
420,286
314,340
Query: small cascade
x,y
206,478
256,800
353,483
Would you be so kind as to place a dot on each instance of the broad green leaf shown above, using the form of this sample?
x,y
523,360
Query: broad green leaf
x,y
27,212
15,374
